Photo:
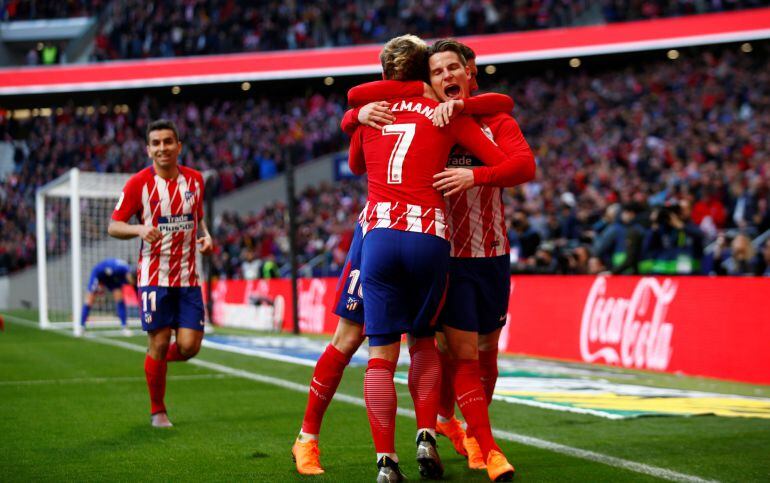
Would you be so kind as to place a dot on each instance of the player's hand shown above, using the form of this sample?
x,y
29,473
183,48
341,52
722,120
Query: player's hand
x,y
446,111
206,246
376,115
453,180
150,234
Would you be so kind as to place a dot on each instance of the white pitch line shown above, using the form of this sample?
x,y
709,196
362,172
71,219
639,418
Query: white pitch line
x,y
103,380
642,468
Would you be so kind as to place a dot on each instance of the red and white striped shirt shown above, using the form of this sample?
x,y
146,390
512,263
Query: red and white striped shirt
x,y
175,207
401,160
404,217
476,217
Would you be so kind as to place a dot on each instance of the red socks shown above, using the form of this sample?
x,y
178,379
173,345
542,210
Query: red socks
x,y
326,377
425,381
173,354
155,372
446,403
488,368
380,397
473,403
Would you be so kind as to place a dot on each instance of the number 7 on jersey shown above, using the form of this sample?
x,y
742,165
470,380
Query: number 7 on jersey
x,y
405,133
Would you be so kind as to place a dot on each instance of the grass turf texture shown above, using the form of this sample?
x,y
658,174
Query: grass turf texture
x,y
76,409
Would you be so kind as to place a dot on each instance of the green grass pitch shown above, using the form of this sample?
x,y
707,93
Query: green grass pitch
x,y
77,410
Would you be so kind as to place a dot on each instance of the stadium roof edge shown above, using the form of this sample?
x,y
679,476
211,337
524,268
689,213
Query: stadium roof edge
x,y
675,32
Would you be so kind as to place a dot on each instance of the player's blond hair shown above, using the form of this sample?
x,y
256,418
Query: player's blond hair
x,y
405,58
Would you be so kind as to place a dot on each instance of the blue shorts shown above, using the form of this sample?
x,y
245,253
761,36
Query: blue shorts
x,y
477,299
404,278
350,302
110,283
175,307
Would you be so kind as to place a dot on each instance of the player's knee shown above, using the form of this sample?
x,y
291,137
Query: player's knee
x,y
189,350
347,343
158,349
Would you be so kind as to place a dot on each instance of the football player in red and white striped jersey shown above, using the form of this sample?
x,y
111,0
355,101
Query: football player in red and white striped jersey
x,y
479,269
167,200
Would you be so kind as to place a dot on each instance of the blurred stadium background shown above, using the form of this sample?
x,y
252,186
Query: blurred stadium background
x,y
656,109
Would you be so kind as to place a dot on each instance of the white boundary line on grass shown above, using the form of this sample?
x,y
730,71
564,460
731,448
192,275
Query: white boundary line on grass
x,y
103,380
642,468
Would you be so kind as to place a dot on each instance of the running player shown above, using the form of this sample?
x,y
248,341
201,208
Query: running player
x,y
478,295
167,199
111,274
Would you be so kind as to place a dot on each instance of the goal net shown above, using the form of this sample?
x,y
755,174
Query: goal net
x,y
72,214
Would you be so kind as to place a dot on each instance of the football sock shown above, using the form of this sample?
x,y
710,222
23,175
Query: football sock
x,y
120,308
380,397
392,456
305,437
173,354
446,405
425,381
84,315
326,377
155,372
473,403
488,368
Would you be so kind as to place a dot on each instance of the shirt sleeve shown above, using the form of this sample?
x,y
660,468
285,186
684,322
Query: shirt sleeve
x,y
129,201
468,134
486,104
356,159
349,121
385,89
519,166
200,199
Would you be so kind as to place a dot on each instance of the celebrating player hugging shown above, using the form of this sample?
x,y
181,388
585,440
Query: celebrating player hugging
x,y
401,255
167,199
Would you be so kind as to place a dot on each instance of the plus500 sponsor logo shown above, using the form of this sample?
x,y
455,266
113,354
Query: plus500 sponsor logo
x,y
631,332
175,223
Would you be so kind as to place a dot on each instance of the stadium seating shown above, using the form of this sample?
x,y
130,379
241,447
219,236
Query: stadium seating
x,y
137,29
694,129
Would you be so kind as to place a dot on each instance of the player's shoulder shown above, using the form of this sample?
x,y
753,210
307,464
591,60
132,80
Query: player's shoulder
x,y
142,176
188,172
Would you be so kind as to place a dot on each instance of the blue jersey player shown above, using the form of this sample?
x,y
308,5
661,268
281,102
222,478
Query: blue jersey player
x,y
110,274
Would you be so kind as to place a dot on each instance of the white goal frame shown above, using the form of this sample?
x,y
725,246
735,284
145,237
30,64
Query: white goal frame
x,y
75,186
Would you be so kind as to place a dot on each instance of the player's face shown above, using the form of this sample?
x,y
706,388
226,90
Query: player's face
x,y
474,74
163,147
448,76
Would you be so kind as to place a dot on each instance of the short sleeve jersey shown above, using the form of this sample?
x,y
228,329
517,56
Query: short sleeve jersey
x,y
175,207
401,160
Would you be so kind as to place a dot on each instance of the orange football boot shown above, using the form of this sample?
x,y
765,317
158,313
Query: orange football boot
x,y
498,467
307,456
453,429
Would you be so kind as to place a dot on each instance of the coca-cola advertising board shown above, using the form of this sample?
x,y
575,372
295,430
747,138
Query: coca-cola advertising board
x,y
714,327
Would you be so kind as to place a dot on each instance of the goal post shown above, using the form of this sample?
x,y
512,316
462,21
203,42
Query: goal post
x,y
72,215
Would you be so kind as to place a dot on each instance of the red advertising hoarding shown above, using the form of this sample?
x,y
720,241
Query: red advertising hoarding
x,y
714,327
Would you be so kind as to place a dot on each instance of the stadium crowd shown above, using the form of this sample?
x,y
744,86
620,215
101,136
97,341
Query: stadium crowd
x,y
170,28
640,168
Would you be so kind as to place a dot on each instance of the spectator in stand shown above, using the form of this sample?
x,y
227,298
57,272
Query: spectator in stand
x,y
620,244
692,129
762,264
250,267
672,246
740,260
523,239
